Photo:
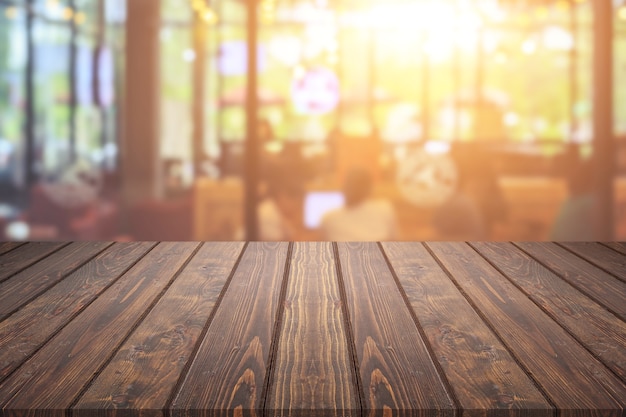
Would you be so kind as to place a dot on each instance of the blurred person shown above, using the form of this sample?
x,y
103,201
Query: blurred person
x,y
9,192
174,178
488,194
575,219
265,131
362,218
270,161
279,212
477,203
460,216
280,159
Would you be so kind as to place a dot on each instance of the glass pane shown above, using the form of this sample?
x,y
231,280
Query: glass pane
x,y
52,95
176,11
12,100
89,122
620,72
177,57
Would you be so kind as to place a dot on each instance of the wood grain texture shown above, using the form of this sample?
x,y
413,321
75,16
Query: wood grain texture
x,y
229,370
395,329
564,369
24,332
9,246
24,256
26,285
145,370
52,378
313,372
616,246
603,287
607,259
398,374
600,331
485,377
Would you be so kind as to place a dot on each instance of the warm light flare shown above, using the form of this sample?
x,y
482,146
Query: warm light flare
x,y
268,11
299,72
529,47
68,13
197,5
523,19
204,12
562,4
80,18
542,12
501,58
10,13
209,16
189,55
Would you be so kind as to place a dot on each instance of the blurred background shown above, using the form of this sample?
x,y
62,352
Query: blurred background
x,y
347,120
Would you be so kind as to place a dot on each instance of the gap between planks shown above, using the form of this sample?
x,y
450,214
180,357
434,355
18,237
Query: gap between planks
x,y
135,325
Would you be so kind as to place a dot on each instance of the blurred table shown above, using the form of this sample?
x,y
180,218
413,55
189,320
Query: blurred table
x,y
310,328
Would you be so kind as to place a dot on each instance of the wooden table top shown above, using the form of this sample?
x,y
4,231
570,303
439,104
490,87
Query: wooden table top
x,y
328,329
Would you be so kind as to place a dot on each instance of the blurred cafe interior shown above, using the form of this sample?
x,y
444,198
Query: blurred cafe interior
x,y
313,119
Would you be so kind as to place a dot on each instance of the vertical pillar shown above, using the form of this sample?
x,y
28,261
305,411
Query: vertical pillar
x,y
252,145
372,75
220,78
479,129
456,76
72,81
199,76
603,141
29,123
339,111
425,89
140,142
100,42
573,66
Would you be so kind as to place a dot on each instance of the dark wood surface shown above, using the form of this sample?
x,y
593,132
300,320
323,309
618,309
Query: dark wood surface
x,y
312,329
396,369
313,363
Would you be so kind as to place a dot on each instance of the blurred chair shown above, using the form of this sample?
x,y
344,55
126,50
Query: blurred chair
x,y
45,214
161,220
218,209
100,222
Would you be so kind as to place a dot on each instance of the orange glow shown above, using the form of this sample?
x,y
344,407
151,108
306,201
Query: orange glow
x,y
80,18
499,90
68,13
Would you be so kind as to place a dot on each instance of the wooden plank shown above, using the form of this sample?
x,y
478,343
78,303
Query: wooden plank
x,y
24,332
146,369
28,284
593,281
24,256
9,246
53,377
601,256
482,372
564,369
599,330
396,370
617,246
227,375
313,371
